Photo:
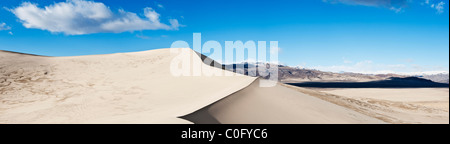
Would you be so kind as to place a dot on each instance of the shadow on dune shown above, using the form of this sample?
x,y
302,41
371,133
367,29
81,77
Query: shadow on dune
x,y
394,82
206,114
201,116
212,63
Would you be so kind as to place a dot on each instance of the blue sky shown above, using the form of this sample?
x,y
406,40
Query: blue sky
x,y
368,36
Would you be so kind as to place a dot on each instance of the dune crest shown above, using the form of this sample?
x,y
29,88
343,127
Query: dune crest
x,y
114,88
275,105
138,87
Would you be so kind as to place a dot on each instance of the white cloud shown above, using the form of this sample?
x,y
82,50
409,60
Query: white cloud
x,y
142,36
151,14
174,23
376,3
396,10
394,5
10,33
439,7
77,17
3,26
160,6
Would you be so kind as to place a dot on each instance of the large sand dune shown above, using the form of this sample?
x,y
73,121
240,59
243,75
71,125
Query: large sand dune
x,y
276,105
139,88
115,88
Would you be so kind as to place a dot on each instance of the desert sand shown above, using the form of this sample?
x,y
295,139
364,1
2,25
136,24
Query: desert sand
x,y
139,88
114,88
276,105
408,105
392,105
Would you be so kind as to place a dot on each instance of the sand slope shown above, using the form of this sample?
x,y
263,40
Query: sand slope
x,y
276,105
409,105
139,88
116,88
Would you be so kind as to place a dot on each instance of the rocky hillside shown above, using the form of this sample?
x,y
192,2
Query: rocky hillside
x,y
288,74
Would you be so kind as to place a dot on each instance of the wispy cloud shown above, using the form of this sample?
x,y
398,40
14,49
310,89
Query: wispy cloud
x,y
382,3
160,5
439,7
141,36
78,17
395,5
3,26
397,10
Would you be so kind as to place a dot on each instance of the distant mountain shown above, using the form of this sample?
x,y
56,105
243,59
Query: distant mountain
x,y
288,74
393,82
440,78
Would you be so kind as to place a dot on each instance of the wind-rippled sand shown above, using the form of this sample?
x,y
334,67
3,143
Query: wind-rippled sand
x,y
407,105
392,105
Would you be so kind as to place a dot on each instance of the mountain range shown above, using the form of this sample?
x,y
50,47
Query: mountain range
x,y
287,74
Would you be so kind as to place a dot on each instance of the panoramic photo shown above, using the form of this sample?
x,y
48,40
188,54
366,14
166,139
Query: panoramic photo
x,y
224,62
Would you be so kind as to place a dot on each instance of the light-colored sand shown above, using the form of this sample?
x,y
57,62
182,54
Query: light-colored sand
x,y
419,105
398,95
115,88
411,105
276,105
139,88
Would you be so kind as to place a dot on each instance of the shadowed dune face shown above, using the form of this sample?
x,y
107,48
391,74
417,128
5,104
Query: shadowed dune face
x,y
408,82
274,105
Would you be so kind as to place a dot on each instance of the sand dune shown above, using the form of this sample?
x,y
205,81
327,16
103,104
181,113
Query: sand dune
x,y
392,105
275,105
139,88
418,105
115,88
